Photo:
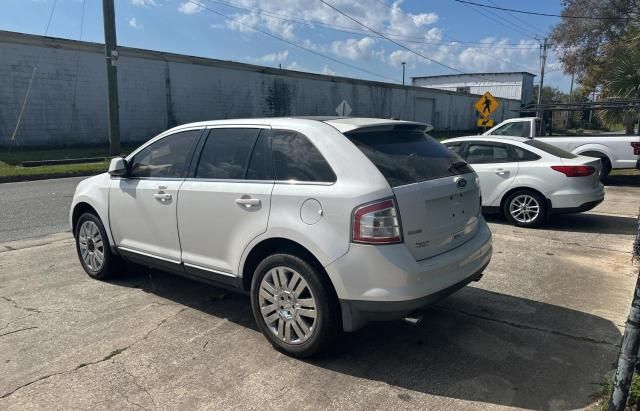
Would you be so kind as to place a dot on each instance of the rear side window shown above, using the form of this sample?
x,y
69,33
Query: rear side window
x,y
295,158
523,155
260,165
455,147
168,157
406,154
225,154
548,148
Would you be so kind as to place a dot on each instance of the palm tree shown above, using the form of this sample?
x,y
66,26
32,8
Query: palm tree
x,y
623,81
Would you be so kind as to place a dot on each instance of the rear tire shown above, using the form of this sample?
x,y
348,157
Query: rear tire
x,y
93,248
525,208
294,305
606,169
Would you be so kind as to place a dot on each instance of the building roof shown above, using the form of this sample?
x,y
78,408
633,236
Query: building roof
x,y
476,74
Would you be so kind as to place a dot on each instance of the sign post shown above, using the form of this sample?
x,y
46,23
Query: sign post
x,y
486,105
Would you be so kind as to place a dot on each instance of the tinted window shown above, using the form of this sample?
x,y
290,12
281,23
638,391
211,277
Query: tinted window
x,y
455,147
260,164
523,155
226,153
406,154
295,158
548,148
481,153
168,157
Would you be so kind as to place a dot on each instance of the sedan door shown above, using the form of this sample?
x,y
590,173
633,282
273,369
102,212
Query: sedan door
x,y
495,167
142,205
226,203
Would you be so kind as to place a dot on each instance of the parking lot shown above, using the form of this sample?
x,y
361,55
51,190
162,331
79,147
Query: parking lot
x,y
539,331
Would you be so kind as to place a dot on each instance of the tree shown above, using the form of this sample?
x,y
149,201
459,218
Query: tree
x,y
550,95
584,45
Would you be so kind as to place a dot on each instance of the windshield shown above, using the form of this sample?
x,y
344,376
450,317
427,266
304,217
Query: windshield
x,y
405,154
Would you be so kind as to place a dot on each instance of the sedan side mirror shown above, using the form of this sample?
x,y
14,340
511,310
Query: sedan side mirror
x,y
118,167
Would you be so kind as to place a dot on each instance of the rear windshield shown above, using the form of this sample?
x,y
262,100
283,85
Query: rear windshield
x,y
548,148
406,154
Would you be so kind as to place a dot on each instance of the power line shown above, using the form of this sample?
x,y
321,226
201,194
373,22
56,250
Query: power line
x,y
399,44
535,13
291,42
510,26
515,16
406,39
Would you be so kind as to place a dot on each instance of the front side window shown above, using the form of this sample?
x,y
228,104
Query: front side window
x,y
295,158
226,152
405,154
168,157
483,153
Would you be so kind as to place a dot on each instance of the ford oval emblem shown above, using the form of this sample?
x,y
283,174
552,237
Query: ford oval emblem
x,y
462,183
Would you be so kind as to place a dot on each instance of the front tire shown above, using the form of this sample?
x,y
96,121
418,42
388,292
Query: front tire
x,y
93,248
294,305
525,208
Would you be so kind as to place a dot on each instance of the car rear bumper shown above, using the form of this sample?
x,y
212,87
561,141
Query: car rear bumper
x,y
579,209
377,283
576,198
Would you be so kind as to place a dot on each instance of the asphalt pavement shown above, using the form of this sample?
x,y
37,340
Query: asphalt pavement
x,y
539,331
35,208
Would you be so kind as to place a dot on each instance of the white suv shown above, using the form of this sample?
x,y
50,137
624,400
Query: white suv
x,y
328,223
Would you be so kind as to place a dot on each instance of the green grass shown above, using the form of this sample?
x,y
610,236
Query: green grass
x,y
634,393
10,160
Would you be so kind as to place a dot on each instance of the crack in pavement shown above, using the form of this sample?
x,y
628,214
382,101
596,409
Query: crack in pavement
x,y
106,358
140,386
17,331
16,305
529,327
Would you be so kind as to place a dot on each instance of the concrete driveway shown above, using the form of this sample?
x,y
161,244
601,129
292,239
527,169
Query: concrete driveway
x,y
539,331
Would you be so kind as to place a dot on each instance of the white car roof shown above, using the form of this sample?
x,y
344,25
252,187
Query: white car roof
x,y
342,124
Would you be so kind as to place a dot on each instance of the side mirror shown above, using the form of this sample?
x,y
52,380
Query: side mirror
x,y
118,167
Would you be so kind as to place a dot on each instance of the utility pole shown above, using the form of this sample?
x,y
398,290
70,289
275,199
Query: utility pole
x,y
543,63
404,63
111,54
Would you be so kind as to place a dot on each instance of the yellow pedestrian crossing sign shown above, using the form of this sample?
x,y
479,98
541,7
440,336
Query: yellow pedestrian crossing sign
x,y
487,104
484,122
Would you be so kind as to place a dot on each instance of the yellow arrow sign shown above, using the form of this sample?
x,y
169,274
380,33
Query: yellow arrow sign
x,y
486,104
484,122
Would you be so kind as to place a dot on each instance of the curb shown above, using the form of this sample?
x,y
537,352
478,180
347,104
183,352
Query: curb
x,y
35,177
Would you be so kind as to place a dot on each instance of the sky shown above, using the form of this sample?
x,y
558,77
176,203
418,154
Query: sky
x,y
298,34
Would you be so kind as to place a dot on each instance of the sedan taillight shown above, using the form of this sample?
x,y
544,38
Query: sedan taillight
x,y
377,223
636,149
575,171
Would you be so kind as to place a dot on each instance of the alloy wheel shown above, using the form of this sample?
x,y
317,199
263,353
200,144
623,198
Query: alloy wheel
x,y
91,246
524,208
288,305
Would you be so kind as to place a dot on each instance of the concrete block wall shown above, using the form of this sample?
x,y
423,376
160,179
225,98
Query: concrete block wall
x,y
67,101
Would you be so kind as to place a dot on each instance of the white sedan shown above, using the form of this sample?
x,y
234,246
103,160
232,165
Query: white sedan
x,y
527,180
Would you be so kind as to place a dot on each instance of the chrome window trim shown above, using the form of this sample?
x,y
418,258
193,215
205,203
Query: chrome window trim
x,y
159,137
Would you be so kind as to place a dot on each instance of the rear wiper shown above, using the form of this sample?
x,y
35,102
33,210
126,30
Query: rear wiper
x,y
457,165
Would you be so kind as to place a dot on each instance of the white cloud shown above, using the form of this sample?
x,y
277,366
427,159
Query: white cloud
x,y
134,24
354,49
272,58
188,7
326,70
296,66
144,3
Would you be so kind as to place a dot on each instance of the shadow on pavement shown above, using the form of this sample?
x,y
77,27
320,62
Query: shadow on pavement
x,y
477,345
623,181
581,223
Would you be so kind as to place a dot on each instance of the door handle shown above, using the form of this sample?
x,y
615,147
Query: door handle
x,y
248,202
163,197
501,172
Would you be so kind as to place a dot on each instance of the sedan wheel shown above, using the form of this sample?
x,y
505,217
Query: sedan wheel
x,y
525,208
94,251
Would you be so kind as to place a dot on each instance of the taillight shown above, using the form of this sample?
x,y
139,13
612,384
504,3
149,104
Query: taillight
x,y
636,149
377,223
575,171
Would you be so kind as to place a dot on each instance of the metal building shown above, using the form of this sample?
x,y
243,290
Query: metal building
x,y
517,85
